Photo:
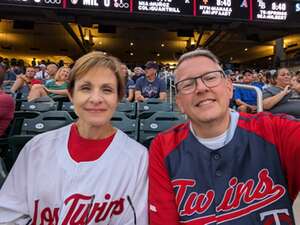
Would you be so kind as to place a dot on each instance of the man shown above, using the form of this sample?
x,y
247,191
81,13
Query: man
x,y
137,73
7,107
150,86
246,99
279,98
221,167
51,71
42,74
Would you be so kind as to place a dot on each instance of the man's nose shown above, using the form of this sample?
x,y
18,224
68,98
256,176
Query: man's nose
x,y
200,86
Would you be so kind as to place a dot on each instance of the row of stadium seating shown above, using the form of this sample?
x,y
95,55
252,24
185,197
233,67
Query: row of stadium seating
x,y
26,125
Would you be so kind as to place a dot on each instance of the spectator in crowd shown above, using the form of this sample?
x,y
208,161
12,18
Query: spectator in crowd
x,y
150,86
295,86
10,76
137,73
278,98
221,166
42,74
129,83
24,80
51,71
246,99
7,106
86,187
57,87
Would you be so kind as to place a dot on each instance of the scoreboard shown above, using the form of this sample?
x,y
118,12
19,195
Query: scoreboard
x,y
235,10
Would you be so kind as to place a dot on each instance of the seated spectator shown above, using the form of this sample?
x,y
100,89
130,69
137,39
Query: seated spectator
x,y
150,86
51,71
295,86
42,74
24,80
129,83
7,107
137,73
279,98
246,99
53,88
9,76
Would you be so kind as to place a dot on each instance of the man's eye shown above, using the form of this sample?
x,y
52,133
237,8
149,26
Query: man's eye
x,y
210,78
187,84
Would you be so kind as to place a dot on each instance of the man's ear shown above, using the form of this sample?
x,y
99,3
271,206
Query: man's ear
x,y
229,86
178,103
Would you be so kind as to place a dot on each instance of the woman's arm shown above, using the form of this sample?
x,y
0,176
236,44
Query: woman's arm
x,y
269,102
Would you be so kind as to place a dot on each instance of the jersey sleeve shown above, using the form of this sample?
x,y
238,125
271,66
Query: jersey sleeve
x,y
237,94
13,194
162,206
287,134
138,85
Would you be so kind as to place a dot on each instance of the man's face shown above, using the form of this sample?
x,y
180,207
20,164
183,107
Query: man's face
x,y
150,73
248,78
204,105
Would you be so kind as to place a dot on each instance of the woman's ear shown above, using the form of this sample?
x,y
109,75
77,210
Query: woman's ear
x,y
70,95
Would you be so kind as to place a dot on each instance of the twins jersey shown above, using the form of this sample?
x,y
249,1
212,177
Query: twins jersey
x,y
251,180
47,186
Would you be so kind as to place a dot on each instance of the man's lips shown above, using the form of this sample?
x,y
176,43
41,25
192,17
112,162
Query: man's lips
x,y
205,102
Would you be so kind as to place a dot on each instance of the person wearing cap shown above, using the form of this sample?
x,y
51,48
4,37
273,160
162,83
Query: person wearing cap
x,y
150,86
42,74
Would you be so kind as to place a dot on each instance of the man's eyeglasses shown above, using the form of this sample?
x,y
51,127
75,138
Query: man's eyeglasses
x,y
210,79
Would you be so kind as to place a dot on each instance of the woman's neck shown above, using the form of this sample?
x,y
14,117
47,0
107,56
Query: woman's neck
x,y
94,132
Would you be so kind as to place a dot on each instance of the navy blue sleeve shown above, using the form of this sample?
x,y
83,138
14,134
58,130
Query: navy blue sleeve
x,y
237,94
162,86
139,84
130,84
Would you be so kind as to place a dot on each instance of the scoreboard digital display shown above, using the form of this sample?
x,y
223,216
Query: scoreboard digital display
x,y
224,9
112,5
236,10
179,7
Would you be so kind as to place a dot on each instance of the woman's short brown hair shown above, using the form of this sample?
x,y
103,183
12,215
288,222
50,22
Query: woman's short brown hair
x,y
97,59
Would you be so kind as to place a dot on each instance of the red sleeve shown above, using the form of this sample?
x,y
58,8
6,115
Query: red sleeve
x,y
287,139
162,206
284,132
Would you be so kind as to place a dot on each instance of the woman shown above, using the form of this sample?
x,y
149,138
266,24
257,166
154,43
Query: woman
x,y
52,88
85,173
129,84
24,81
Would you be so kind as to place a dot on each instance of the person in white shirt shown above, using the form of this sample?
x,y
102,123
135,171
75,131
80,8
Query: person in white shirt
x,y
85,173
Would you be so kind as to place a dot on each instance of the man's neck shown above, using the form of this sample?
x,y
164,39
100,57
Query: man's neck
x,y
212,129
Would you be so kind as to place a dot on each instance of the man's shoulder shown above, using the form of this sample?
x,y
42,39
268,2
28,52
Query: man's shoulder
x,y
141,79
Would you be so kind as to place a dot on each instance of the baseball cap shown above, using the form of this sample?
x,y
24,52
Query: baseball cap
x,y
151,64
228,72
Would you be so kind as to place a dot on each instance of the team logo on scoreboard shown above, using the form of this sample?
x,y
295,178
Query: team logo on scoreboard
x,y
74,2
244,4
297,7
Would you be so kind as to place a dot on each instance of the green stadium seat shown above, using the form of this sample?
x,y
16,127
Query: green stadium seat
x,y
158,122
129,108
148,108
38,106
125,124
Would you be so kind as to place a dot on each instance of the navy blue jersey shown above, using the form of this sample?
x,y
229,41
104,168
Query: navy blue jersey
x,y
251,180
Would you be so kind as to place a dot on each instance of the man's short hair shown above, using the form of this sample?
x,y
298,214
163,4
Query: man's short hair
x,y
247,71
197,53
151,64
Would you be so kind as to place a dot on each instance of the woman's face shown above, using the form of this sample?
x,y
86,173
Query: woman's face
x,y
95,97
62,74
284,78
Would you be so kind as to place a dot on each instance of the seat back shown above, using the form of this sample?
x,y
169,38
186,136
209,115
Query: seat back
x,y
129,108
3,172
17,122
158,122
46,121
147,109
122,122
38,106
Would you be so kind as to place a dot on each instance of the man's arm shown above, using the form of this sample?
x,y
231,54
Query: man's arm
x,y
162,90
287,133
162,206
138,91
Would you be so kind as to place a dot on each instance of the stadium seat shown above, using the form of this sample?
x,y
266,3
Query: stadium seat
x,y
158,122
148,108
30,127
3,172
38,106
128,126
68,106
129,108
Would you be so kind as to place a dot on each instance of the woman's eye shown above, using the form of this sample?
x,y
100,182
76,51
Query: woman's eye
x,y
107,90
85,88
